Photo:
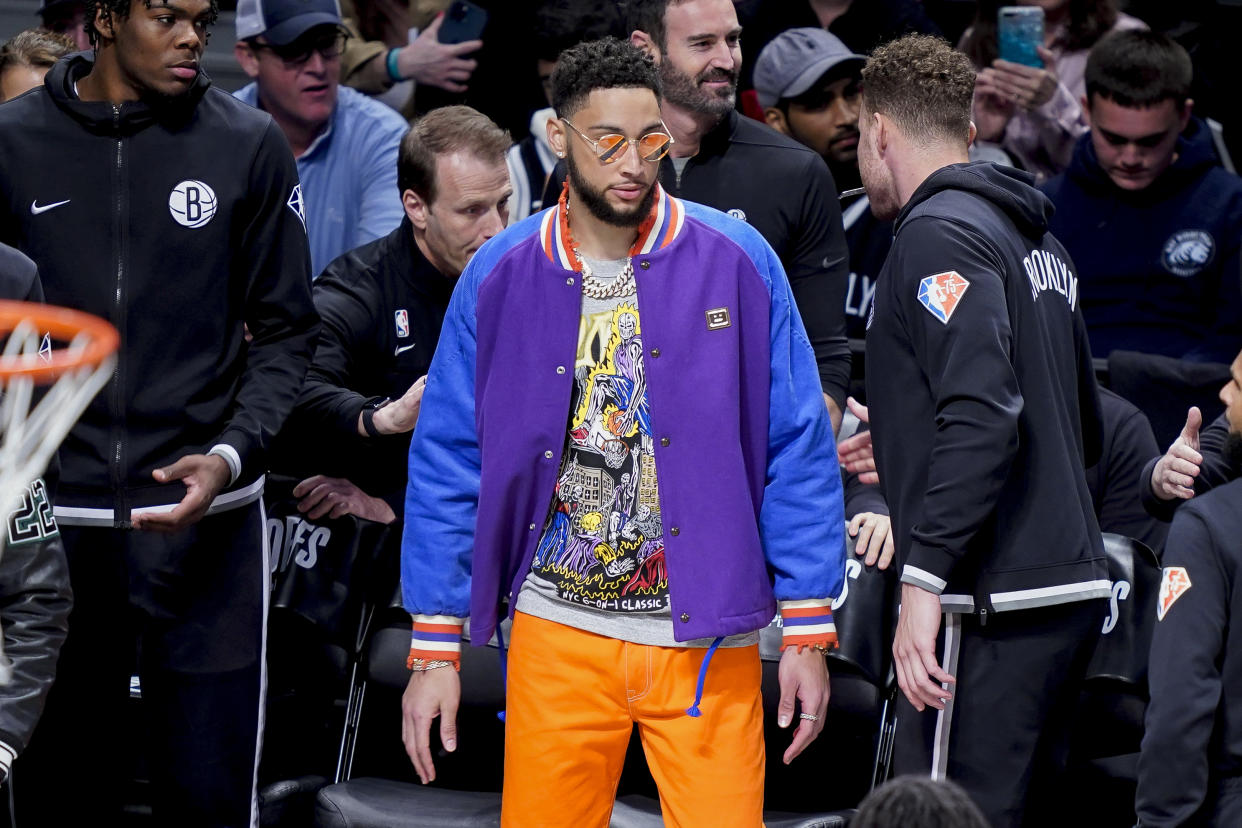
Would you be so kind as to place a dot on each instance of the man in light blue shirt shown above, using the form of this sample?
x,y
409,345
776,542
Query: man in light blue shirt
x,y
345,143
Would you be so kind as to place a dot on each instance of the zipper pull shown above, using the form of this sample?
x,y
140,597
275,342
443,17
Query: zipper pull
x,y
983,616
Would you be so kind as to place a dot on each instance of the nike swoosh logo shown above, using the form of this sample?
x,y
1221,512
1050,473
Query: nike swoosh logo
x,y
400,350
35,209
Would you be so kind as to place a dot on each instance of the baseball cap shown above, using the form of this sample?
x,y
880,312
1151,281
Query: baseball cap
x,y
795,59
283,21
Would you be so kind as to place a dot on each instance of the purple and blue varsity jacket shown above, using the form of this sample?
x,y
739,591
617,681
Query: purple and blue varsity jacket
x,y
750,492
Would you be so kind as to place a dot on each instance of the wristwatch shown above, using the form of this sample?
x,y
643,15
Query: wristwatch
x,y
368,416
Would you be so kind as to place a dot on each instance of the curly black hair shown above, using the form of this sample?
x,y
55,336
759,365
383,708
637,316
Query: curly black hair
x,y
607,63
120,9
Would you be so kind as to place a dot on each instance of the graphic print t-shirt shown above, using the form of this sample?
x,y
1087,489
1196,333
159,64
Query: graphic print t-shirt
x,y
599,565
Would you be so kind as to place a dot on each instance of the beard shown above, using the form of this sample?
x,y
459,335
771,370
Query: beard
x,y
682,90
1232,449
596,201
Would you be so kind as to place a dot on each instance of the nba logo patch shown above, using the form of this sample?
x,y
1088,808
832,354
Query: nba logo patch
x,y
1173,585
403,323
941,293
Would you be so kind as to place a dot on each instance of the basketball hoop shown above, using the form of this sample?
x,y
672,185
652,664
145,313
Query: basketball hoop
x,y
72,354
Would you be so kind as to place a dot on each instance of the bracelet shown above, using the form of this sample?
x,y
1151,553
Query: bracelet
x,y
394,74
368,417
422,665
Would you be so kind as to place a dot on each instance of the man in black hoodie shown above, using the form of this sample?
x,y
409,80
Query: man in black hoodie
x,y
1152,220
174,211
984,411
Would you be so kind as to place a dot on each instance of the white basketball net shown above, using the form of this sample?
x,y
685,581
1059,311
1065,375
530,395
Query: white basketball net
x,y
29,436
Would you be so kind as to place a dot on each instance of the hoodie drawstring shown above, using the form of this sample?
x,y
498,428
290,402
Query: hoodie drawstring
x,y
504,666
693,710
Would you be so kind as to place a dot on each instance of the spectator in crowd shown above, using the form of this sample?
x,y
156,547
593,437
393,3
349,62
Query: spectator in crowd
x,y
68,18
909,801
34,578
1036,114
1192,745
743,168
982,404
171,209
25,59
344,142
627,273
860,24
1154,225
384,49
382,306
559,24
809,85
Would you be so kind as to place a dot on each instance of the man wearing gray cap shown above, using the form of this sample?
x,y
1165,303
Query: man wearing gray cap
x,y
345,143
809,84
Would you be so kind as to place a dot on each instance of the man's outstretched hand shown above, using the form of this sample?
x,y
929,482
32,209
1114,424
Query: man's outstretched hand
x,y
1175,472
204,476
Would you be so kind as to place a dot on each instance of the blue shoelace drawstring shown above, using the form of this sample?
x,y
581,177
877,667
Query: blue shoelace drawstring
x,y
693,710
504,665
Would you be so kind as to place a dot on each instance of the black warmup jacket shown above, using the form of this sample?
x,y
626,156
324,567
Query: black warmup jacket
x,y
179,221
984,406
382,307
35,597
1191,760
785,191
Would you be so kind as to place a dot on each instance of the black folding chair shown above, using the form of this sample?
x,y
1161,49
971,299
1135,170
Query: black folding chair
x,y
1103,762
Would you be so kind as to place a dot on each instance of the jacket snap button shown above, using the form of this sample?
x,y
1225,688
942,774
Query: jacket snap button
x,y
560,369
675,531
655,353
532,527
548,454
644,264
570,280
684,617
664,441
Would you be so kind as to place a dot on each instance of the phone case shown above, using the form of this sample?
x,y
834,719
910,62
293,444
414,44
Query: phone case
x,y
462,21
1019,31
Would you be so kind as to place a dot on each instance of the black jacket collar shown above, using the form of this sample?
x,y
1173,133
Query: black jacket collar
x,y
100,116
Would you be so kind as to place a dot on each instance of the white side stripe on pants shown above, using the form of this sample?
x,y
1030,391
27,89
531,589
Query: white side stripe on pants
x,y
944,718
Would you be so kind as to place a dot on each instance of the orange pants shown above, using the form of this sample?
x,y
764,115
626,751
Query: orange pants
x,y
572,702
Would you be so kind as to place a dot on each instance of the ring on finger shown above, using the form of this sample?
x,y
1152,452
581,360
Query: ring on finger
x,y
810,717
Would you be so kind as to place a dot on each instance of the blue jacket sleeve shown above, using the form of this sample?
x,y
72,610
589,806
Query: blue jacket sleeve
x,y
802,521
442,495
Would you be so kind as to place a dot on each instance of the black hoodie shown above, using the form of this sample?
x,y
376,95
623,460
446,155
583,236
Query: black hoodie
x,y
1161,268
984,406
177,220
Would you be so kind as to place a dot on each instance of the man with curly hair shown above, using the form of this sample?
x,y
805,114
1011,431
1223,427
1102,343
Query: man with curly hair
x,y
174,211
641,548
984,412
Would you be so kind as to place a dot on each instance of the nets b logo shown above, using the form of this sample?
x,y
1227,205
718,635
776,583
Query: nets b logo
x,y
192,204
1173,585
941,293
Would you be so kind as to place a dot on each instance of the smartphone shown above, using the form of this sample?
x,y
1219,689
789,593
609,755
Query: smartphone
x,y
462,21
1019,31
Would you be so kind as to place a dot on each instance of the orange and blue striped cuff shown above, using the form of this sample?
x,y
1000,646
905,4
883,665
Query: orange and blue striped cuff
x,y
436,638
807,624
